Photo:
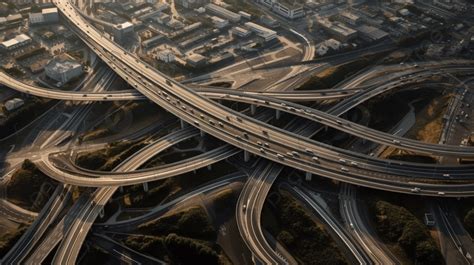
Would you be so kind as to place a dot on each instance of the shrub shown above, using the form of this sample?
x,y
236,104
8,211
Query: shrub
x,y
192,222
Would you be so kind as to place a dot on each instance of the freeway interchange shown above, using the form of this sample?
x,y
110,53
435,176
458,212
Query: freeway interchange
x,y
240,133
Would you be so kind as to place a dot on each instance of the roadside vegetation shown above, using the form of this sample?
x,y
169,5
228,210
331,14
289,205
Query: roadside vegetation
x,y
187,231
333,75
135,197
29,187
296,229
8,240
119,119
22,116
108,158
401,229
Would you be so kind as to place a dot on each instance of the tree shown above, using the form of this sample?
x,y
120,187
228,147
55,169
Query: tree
x,y
469,221
428,254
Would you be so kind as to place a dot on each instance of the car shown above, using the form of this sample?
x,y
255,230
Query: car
x,y
344,169
259,143
280,156
446,175
244,207
441,193
395,141
168,82
309,151
261,150
211,122
415,189
352,226
315,158
246,136
85,95
266,145
295,154
196,123
342,160
353,163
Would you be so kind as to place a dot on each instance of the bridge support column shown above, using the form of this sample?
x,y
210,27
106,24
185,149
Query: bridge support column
x,y
102,213
308,176
202,133
277,114
209,167
246,156
121,189
325,128
194,172
253,108
145,186
183,124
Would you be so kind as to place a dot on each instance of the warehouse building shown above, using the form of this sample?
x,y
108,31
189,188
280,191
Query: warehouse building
x,y
63,71
222,12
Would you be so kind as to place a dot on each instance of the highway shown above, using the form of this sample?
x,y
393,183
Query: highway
x,y
71,244
182,102
358,227
244,133
333,224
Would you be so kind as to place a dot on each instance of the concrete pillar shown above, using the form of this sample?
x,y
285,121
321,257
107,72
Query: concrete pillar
x,y
209,167
326,128
278,114
253,108
183,124
102,212
202,133
308,176
194,172
246,156
121,189
145,186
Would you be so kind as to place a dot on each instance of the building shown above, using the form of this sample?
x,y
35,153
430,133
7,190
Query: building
x,y
63,70
50,14
291,11
333,44
245,15
123,30
166,56
47,15
350,18
18,41
219,22
191,3
21,2
241,32
265,33
286,9
338,30
14,18
13,104
370,33
152,41
224,13
322,49
196,60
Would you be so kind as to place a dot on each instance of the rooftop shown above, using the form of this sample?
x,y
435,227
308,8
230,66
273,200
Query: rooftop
x,y
62,66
